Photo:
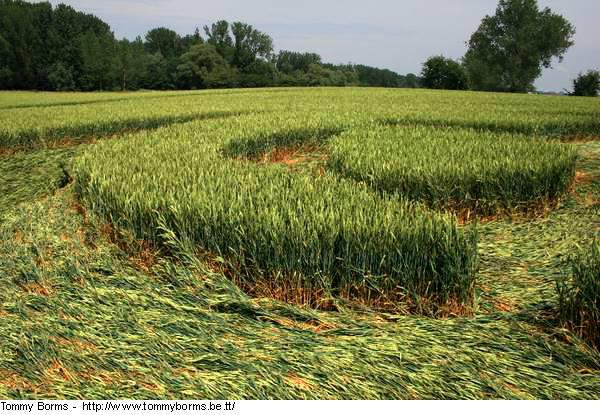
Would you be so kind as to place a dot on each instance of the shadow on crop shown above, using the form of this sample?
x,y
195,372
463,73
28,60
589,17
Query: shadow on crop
x,y
586,128
66,136
133,98
254,147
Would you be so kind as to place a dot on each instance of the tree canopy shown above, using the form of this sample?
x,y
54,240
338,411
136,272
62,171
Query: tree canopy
x,y
249,45
509,49
203,67
38,43
289,62
587,85
164,41
443,73
58,48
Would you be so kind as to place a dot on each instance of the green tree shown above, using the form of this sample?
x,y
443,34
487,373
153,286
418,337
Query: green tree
x,y
46,47
130,64
218,36
259,73
249,45
587,85
157,74
164,41
326,75
246,49
60,77
6,73
346,75
19,28
442,73
123,63
63,33
190,40
203,67
370,76
170,46
98,53
288,61
412,81
34,37
509,49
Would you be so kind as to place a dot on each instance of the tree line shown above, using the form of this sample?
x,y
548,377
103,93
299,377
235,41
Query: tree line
x,y
58,48
508,52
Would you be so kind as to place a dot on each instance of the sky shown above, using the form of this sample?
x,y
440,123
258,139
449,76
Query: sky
x,y
395,34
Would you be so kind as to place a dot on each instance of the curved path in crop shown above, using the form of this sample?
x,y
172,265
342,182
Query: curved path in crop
x,y
81,318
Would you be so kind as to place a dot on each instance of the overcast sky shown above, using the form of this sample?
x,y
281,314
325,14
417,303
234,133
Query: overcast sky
x,y
399,35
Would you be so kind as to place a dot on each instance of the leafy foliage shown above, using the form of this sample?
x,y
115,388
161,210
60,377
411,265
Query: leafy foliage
x,y
289,62
443,73
48,48
164,41
60,78
203,67
587,85
509,50
369,76
34,37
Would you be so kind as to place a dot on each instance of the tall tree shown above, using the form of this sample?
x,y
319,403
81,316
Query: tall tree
x,y
249,45
165,46
509,49
60,77
218,35
157,75
369,76
19,28
164,41
63,36
202,67
190,40
443,73
98,52
37,41
59,48
130,64
260,73
6,73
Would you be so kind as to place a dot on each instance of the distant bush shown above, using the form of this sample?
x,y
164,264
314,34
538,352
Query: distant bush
x,y
579,295
587,85
443,73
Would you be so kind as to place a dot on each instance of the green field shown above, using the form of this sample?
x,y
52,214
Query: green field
x,y
343,243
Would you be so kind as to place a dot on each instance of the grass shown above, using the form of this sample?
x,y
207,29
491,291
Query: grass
x,y
87,322
56,136
27,175
89,313
323,235
580,297
33,116
456,168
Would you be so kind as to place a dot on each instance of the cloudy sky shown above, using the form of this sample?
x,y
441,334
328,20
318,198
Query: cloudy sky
x,y
399,35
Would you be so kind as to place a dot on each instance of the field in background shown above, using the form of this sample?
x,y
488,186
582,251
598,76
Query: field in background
x,y
294,243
